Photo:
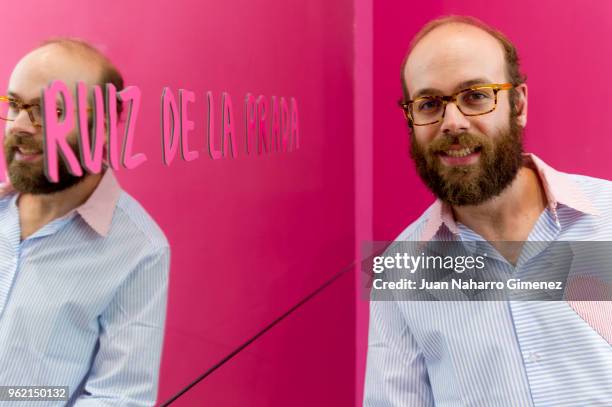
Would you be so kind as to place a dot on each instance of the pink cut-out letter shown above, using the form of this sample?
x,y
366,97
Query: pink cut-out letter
x,y
250,114
275,143
55,131
186,96
91,158
295,126
130,95
228,126
262,134
215,154
284,124
112,145
170,126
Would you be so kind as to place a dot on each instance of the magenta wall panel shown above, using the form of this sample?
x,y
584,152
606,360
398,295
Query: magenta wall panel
x,y
251,233
295,364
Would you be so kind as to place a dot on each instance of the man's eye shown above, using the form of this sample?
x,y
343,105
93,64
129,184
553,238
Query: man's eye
x,y
13,105
428,105
476,96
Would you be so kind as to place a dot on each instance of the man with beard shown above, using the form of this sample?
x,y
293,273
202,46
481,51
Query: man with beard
x,y
83,268
466,107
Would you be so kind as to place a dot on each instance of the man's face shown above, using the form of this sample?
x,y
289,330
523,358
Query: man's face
x,y
464,160
23,142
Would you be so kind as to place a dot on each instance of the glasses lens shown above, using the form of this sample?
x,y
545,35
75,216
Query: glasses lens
x,y
476,101
36,114
427,110
8,109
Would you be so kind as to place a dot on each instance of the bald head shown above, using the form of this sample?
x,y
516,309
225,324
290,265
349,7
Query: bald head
x,y
51,62
66,59
463,38
452,55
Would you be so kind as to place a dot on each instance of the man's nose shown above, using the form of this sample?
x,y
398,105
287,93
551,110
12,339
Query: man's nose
x,y
21,124
454,121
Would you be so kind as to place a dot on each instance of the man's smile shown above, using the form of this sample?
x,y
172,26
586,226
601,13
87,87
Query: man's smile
x,y
459,155
26,154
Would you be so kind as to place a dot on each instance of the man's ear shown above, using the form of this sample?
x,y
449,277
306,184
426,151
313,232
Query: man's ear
x,y
520,103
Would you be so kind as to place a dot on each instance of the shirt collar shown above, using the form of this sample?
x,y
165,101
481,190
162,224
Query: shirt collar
x,y
558,187
98,210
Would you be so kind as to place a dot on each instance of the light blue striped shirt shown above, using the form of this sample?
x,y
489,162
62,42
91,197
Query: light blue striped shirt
x,y
498,353
83,301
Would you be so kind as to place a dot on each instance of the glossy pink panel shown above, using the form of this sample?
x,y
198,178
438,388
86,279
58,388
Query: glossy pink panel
x,y
295,364
253,234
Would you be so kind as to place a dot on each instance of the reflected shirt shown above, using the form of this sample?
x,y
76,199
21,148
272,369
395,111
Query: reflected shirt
x,y
499,353
83,300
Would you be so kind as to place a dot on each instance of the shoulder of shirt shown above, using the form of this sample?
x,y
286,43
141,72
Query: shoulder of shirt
x,y
6,191
415,229
597,190
130,210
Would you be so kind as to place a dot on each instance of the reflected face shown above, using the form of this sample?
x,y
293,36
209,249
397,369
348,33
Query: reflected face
x,y
464,160
23,142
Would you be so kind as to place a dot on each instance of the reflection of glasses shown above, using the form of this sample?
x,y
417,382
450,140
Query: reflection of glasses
x,y
11,107
473,101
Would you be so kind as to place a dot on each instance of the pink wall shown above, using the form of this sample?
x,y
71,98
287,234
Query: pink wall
x,y
300,365
565,53
250,236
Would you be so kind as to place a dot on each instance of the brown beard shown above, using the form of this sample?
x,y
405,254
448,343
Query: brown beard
x,y
499,162
29,177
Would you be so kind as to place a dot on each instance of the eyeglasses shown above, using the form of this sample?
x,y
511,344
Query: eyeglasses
x,y
11,107
473,101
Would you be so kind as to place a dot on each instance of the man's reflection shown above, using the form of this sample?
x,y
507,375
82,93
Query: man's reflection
x,y
83,267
